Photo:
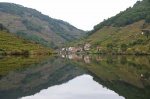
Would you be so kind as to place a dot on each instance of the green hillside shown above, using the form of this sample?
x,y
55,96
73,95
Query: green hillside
x,y
32,24
122,33
140,11
14,45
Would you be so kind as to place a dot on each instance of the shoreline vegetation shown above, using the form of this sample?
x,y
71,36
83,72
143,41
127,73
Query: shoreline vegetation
x,y
123,50
110,53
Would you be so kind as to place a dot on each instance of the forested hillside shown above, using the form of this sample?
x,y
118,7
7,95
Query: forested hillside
x,y
140,11
32,24
126,33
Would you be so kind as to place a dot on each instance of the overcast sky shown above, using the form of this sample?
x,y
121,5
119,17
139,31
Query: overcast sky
x,y
83,14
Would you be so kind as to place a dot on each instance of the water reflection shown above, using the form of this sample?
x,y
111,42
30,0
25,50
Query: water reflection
x,y
60,78
129,76
82,87
138,66
86,58
28,81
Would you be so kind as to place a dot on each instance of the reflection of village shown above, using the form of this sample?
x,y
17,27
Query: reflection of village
x,y
86,58
87,48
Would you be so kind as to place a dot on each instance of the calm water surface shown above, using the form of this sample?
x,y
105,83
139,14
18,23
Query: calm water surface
x,y
75,77
82,87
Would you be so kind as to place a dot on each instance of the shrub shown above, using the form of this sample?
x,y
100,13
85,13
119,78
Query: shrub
x,y
138,51
123,47
15,52
130,51
25,52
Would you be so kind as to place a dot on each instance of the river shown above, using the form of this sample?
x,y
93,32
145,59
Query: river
x,y
75,77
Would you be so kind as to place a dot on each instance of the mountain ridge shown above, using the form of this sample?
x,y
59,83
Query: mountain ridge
x,y
32,24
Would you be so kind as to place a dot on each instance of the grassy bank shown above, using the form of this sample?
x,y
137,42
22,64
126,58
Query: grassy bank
x,y
13,45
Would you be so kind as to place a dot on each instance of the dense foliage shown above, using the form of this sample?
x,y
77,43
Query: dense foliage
x,y
2,28
29,25
35,38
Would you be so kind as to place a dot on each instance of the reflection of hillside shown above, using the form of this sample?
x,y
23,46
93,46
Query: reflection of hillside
x,y
124,89
132,70
41,76
13,63
128,76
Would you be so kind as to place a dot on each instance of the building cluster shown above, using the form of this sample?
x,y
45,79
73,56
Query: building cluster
x,y
87,47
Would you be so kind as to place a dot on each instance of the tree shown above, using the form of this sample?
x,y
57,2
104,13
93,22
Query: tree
x,y
147,33
148,19
3,28
123,47
110,45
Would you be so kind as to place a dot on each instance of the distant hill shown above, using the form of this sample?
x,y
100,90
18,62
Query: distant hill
x,y
32,24
14,45
122,34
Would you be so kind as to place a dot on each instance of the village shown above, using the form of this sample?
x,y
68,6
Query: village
x,y
85,49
